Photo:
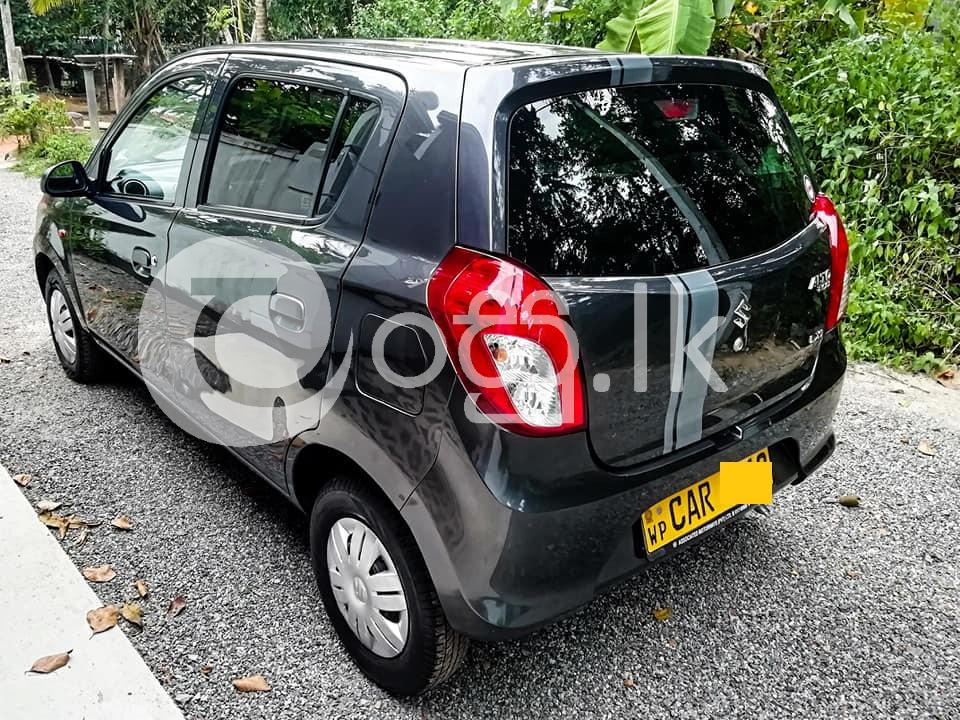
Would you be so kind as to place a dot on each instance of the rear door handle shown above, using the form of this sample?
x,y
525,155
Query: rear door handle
x,y
287,312
143,261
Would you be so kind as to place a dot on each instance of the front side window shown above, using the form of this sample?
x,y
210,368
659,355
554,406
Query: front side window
x,y
147,156
271,152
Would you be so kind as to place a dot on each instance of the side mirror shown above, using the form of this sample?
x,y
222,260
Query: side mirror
x,y
66,179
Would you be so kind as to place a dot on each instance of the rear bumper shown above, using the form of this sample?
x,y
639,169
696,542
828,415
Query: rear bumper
x,y
508,555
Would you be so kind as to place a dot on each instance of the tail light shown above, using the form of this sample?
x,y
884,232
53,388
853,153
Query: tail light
x,y
507,337
825,211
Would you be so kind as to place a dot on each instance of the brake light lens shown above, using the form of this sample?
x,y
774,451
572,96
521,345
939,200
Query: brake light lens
x,y
507,336
678,109
825,211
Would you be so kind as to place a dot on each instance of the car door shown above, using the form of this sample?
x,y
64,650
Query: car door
x,y
278,208
116,237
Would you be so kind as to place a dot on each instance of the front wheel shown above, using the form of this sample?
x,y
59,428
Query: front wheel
x,y
79,355
377,591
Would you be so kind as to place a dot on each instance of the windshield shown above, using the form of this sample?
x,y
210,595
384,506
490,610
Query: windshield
x,y
652,179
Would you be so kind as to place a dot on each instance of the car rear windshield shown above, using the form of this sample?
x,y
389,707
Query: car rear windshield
x,y
652,179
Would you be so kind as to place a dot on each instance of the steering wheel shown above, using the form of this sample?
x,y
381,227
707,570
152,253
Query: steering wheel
x,y
136,184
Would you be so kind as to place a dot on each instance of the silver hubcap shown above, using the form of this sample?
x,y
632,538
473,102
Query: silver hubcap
x,y
367,588
62,324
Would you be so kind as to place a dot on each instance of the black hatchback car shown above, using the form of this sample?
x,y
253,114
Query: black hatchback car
x,y
492,314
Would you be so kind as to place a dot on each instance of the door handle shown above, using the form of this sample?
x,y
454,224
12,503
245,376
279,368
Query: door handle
x,y
287,312
143,261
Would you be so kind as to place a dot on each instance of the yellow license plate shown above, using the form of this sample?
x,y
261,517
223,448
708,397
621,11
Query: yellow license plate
x,y
702,506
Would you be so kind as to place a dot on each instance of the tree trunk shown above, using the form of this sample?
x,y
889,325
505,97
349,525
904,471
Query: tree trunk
x,y
9,46
259,33
51,85
240,32
140,30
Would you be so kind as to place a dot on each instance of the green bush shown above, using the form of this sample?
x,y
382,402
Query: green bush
x,y
486,20
879,116
309,18
401,18
521,21
584,25
55,148
29,116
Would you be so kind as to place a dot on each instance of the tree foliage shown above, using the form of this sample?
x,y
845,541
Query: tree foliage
x,y
402,18
880,118
153,30
513,20
298,19
59,32
662,27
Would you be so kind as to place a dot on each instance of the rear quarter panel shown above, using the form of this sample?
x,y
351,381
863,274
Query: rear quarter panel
x,y
411,227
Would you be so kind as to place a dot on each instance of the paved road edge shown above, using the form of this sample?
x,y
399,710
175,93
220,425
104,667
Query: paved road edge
x,y
43,605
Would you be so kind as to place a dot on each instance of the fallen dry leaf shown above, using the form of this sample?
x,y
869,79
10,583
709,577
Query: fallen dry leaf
x,y
141,587
55,521
81,538
100,573
254,683
948,378
91,314
176,606
662,614
103,618
854,574
132,613
925,448
75,522
22,479
206,669
850,501
629,681
49,663
48,505
122,522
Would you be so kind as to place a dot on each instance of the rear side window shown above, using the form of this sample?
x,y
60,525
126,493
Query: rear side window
x,y
652,179
280,147
356,127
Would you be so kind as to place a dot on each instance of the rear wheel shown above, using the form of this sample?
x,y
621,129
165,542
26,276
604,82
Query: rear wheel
x,y
377,591
79,355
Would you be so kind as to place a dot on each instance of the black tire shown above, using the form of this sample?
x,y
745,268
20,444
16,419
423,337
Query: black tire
x,y
433,649
87,366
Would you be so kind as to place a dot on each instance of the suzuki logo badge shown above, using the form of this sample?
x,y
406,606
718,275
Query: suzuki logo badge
x,y
741,318
359,589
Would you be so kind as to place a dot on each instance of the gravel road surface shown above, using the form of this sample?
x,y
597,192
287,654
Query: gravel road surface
x,y
815,611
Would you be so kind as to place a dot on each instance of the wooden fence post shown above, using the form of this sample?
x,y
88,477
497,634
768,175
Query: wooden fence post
x,y
89,82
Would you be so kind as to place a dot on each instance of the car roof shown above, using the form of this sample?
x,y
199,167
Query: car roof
x,y
466,53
